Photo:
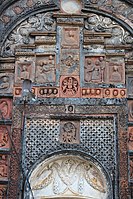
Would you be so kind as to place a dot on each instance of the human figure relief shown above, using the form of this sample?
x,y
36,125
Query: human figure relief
x,y
3,166
46,70
116,76
94,70
130,139
69,86
4,109
131,169
69,133
4,83
24,73
3,137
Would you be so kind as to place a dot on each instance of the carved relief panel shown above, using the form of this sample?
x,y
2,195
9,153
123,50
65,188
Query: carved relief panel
x,y
3,191
5,108
24,70
70,37
116,70
46,68
130,86
130,138
130,111
69,86
131,168
3,167
6,83
70,132
4,138
70,62
94,69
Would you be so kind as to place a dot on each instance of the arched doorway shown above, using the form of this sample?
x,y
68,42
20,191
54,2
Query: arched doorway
x,y
69,176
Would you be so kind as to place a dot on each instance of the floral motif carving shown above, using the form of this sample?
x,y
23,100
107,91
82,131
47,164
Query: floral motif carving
x,y
70,62
45,69
94,69
70,132
97,23
61,175
69,86
21,35
4,139
5,108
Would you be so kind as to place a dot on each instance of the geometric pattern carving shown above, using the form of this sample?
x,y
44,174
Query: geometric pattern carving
x,y
97,138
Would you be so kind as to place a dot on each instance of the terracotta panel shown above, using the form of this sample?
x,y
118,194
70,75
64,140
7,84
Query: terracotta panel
x,y
70,132
6,83
130,110
69,86
3,167
47,92
5,108
4,137
46,68
114,93
92,92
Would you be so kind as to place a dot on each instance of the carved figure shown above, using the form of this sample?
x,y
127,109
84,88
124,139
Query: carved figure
x,y
3,108
3,166
131,169
130,139
69,86
70,36
69,133
116,76
94,70
4,83
24,73
46,70
3,136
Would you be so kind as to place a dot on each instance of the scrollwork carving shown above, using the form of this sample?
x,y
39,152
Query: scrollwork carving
x,y
21,35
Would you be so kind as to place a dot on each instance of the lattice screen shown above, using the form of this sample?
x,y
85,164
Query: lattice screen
x,y
97,138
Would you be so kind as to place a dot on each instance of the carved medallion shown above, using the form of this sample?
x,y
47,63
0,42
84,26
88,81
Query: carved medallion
x,y
94,70
3,167
70,37
24,70
69,86
6,82
5,108
70,62
45,69
4,139
70,132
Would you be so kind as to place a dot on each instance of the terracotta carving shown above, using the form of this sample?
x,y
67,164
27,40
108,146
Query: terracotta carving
x,y
130,87
131,168
69,87
4,139
5,108
69,132
24,70
6,82
116,71
3,190
92,93
3,166
70,62
130,138
94,70
45,69
130,111
48,92
70,37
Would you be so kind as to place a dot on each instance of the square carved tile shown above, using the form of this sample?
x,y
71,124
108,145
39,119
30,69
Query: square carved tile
x,y
6,82
70,62
24,70
4,137
70,37
45,68
69,86
70,132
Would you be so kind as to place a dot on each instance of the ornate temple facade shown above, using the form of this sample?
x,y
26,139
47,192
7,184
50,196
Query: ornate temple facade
x,y
71,135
